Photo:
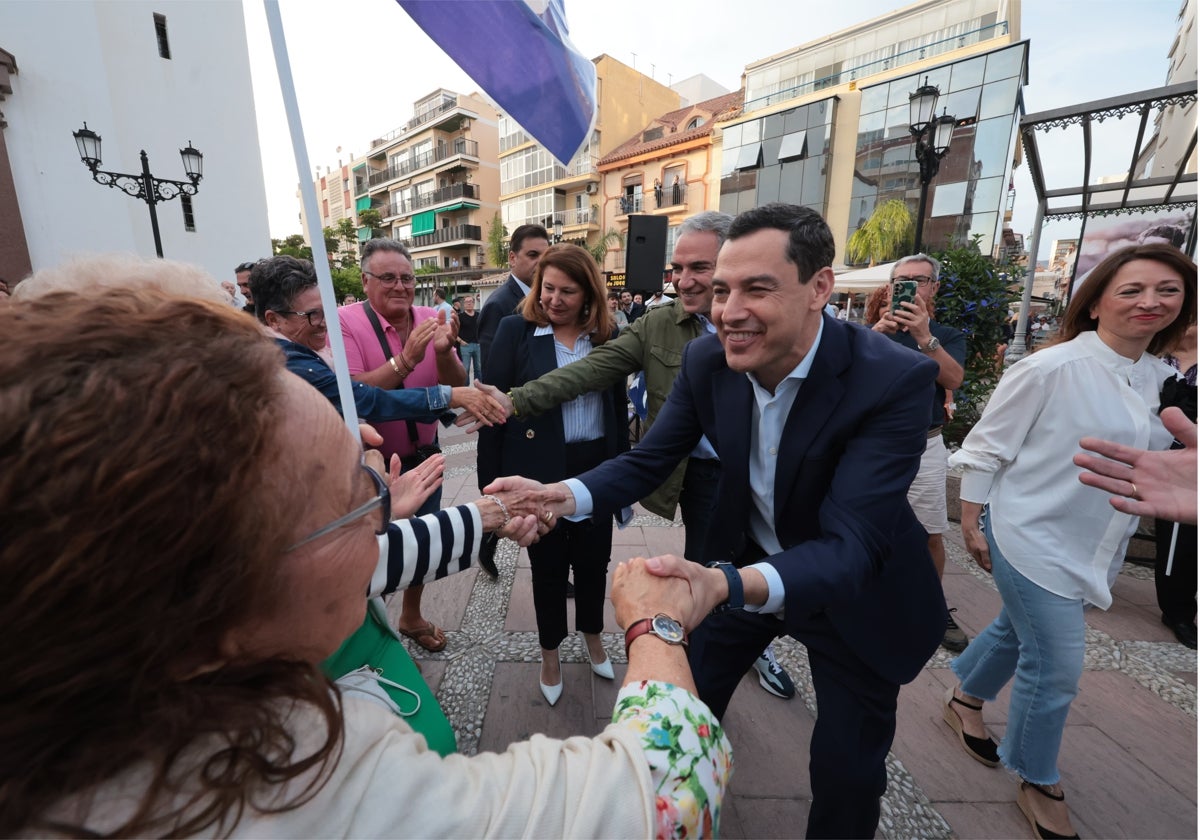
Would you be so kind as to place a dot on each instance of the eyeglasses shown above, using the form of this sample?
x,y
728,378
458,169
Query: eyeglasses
x,y
315,317
381,500
919,279
407,280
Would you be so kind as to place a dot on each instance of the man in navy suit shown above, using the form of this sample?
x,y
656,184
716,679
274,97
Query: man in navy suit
x,y
820,426
525,249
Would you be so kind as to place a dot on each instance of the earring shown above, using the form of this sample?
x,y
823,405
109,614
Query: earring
x,y
587,309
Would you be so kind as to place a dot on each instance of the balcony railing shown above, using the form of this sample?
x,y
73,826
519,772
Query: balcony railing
x,y
670,195
444,151
511,141
575,216
582,165
442,194
431,114
627,204
900,59
444,235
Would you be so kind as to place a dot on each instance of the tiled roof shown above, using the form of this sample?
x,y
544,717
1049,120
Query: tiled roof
x,y
718,108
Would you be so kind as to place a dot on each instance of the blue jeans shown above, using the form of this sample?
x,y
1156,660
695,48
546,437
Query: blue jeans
x,y
469,353
1039,638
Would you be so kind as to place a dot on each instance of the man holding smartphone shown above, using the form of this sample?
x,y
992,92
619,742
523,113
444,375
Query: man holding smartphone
x,y
908,320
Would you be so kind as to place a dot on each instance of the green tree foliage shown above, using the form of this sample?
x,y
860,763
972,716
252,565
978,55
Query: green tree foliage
x,y
887,235
292,246
497,243
974,296
347,280
370,218
612,237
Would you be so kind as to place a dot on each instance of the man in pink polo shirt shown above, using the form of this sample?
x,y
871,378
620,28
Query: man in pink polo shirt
x,y
420,353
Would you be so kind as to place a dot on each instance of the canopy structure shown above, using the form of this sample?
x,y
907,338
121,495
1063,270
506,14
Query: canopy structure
x,y
1165,185
863,279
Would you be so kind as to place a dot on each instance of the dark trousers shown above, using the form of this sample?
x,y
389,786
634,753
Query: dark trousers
x,y
1176,593
856,711
698,500
584,549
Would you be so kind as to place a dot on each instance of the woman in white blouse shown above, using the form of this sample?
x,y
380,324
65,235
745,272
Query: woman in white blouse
x,y
1052,544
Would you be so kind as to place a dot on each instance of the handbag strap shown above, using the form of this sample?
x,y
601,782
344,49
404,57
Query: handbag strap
x,y
387,354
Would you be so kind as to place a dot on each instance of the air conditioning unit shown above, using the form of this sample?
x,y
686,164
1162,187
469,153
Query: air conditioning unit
x,y
592,187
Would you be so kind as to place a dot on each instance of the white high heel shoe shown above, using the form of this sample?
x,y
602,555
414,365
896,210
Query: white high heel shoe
x,y
551,692
601,669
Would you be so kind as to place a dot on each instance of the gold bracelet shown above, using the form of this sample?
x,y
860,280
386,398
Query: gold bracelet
x,y
509,394
501,505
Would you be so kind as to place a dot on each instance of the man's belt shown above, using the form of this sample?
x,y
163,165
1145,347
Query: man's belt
x,y
936,431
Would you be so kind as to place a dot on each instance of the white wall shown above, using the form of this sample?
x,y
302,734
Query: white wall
x,y
97,60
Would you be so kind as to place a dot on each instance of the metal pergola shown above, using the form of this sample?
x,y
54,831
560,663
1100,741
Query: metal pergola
x,y
1084,200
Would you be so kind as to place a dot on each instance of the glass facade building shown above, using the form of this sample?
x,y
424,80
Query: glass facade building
x,y
967,197
782,156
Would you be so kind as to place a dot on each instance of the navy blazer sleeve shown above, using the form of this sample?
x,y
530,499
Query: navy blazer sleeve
x,y
374,405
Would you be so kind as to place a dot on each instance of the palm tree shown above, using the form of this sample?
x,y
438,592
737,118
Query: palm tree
x,y
612,237
887,235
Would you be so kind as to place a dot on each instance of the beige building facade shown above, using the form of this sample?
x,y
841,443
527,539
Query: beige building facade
x,y
572,200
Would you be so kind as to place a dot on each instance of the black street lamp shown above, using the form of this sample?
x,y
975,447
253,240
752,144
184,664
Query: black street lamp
x,y
144,186
933,136
558,227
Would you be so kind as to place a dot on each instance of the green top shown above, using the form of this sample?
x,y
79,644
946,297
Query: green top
x,y
653,343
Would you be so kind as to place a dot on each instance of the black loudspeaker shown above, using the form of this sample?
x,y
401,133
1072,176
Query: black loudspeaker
x,y
646,249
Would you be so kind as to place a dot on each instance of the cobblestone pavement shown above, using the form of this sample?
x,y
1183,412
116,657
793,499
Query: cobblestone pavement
x,y
1128,758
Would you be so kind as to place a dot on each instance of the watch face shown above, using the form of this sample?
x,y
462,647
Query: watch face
x,y
668,629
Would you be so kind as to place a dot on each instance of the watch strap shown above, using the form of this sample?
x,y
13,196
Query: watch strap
x,y
643,627
737,595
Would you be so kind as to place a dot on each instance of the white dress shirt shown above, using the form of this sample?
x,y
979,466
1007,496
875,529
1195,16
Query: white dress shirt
x,y
583,417
1057,532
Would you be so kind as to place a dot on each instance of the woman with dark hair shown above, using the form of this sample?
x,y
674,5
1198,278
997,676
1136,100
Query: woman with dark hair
x,y
186,531
564,315
1052,544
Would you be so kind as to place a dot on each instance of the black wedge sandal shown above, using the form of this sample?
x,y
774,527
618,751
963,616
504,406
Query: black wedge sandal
x,y
1039,830
982,750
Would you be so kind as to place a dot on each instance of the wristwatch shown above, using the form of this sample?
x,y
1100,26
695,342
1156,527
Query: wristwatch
x,y
737,595
662,625
933,345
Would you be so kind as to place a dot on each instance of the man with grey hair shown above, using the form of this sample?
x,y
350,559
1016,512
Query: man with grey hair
x,y
654,344
390,343
911,323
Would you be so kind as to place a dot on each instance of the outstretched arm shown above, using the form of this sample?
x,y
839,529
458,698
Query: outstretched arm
x,y
1146,483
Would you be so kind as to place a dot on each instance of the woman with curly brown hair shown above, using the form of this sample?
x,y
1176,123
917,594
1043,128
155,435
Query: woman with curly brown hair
x,y
186,531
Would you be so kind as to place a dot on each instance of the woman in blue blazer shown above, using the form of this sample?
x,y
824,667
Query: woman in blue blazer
x,y
561,319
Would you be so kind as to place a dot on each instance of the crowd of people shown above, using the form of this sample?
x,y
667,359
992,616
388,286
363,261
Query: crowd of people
x,y
196,547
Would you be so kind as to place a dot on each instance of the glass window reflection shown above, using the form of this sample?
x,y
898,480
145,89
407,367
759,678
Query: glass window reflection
x,y
1005,63
949,199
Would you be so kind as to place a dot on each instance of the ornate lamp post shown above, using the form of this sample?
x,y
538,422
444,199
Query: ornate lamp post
x,y
558,227
144,186
933,136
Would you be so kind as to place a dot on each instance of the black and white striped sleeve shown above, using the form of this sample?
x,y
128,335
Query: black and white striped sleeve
x,y
425,548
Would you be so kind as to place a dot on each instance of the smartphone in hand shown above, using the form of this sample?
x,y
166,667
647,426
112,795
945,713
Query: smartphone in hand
x,y
903,290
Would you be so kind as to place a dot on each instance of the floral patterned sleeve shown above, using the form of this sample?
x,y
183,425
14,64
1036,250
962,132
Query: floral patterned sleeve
x,y
689,756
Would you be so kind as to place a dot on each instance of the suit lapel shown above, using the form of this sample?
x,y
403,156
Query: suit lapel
x,y
817,399
733,404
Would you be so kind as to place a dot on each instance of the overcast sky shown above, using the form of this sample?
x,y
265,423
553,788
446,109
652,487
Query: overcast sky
x,y
359,65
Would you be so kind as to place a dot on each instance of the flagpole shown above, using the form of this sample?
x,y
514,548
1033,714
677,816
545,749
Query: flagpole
x,y
316,236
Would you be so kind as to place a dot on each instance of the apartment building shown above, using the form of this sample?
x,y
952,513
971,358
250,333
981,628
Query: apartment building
x,y
335,199
666,169
569,199
826,124
435,182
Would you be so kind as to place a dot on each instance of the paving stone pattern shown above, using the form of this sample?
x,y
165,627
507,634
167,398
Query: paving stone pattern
x,y
1128,757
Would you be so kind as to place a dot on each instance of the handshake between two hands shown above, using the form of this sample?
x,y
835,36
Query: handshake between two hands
x,y
642,587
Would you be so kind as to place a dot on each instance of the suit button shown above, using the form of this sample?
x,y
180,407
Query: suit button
x,y
529,434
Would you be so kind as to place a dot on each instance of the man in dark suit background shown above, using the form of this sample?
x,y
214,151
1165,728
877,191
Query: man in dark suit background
x,y
820,426
525,248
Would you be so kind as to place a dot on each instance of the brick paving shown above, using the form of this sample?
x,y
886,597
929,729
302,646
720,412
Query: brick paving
x,y
1128,760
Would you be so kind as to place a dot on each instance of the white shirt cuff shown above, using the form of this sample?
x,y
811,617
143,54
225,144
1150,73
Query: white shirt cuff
x,y
583,500
774,603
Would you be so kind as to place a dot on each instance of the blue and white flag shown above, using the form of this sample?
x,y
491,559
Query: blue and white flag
x,y
519,53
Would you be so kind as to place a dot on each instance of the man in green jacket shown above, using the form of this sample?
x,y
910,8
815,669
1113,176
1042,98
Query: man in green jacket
x,y
654,344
